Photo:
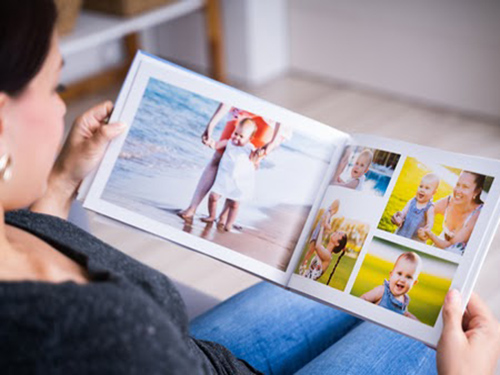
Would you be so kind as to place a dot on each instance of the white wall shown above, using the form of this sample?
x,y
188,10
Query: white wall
x,y
256,40
84,64
444,52
256,43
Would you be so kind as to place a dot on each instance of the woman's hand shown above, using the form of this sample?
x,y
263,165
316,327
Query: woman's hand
x,y
266,149
255,158
81,153
210,143
206,138
470,343
86,144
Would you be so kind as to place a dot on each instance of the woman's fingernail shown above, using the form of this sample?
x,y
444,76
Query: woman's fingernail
x,y
453,296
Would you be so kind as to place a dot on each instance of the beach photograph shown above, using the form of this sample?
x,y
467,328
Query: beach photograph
x,y
404,281
335,240
229,176
365,169
435,205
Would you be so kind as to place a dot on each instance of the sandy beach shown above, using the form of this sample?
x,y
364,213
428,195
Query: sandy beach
x,y
274,245
271,223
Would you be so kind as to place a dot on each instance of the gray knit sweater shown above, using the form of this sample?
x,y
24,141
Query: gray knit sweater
x,y
129,320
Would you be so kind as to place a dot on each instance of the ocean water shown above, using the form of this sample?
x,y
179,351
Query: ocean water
x,y
378,181
162,158
167,132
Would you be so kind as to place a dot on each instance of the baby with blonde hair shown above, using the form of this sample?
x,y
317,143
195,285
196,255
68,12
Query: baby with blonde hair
x,y
235,178
358,171
419,211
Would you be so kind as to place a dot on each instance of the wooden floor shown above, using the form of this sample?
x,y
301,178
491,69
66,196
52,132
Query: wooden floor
x,y
347,109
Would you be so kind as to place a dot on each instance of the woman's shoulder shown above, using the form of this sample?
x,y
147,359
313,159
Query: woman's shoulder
x,y
442,204
474,213
64,236
90,251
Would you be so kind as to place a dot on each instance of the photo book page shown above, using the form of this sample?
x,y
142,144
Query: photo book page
x,y
213,168
379,228
399,225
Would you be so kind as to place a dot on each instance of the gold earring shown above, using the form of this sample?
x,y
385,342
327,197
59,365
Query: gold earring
x,y
5,167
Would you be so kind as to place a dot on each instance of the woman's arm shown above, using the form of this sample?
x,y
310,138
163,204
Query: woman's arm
x,y
273,143
440,205
462,235
323,253
219,113
81,153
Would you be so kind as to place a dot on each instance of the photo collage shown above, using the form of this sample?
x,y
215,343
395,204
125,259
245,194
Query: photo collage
x,y
404,256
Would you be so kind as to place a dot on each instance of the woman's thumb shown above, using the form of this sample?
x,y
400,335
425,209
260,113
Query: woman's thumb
x,y
110,131
452,312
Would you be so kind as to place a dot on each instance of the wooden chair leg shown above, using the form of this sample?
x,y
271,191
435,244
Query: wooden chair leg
x,y
132,45
215,39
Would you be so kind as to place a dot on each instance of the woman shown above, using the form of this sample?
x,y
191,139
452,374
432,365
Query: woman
x,y
461,211
322,255
72,305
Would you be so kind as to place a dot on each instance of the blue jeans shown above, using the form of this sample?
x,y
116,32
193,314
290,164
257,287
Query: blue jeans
x,y
280,332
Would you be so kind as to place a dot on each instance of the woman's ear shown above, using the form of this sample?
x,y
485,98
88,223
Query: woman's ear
x,y
478,193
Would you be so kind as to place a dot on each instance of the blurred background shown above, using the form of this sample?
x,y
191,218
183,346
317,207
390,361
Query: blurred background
x,y
423,71
444,53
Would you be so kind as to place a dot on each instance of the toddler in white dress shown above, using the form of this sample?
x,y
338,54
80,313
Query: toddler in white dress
x,y
235,178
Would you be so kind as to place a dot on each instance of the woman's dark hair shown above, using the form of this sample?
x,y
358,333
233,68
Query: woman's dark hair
x,y
26,28
341,245
479,180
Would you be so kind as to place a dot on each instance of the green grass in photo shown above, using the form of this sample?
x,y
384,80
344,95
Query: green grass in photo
x,y
405,189
342,273
356,235
426,298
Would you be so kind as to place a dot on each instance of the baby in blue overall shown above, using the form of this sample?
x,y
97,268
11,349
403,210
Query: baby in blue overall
x,y
419,211
393,295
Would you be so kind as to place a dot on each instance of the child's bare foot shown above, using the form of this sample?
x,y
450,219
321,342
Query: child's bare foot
x,y
221,221
208,219
233,227
185,214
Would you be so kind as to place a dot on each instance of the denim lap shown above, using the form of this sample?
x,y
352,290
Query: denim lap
x,y
371,349
280,332
274,330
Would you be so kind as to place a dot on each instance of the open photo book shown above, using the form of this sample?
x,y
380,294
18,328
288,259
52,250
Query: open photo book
x,y
379,228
